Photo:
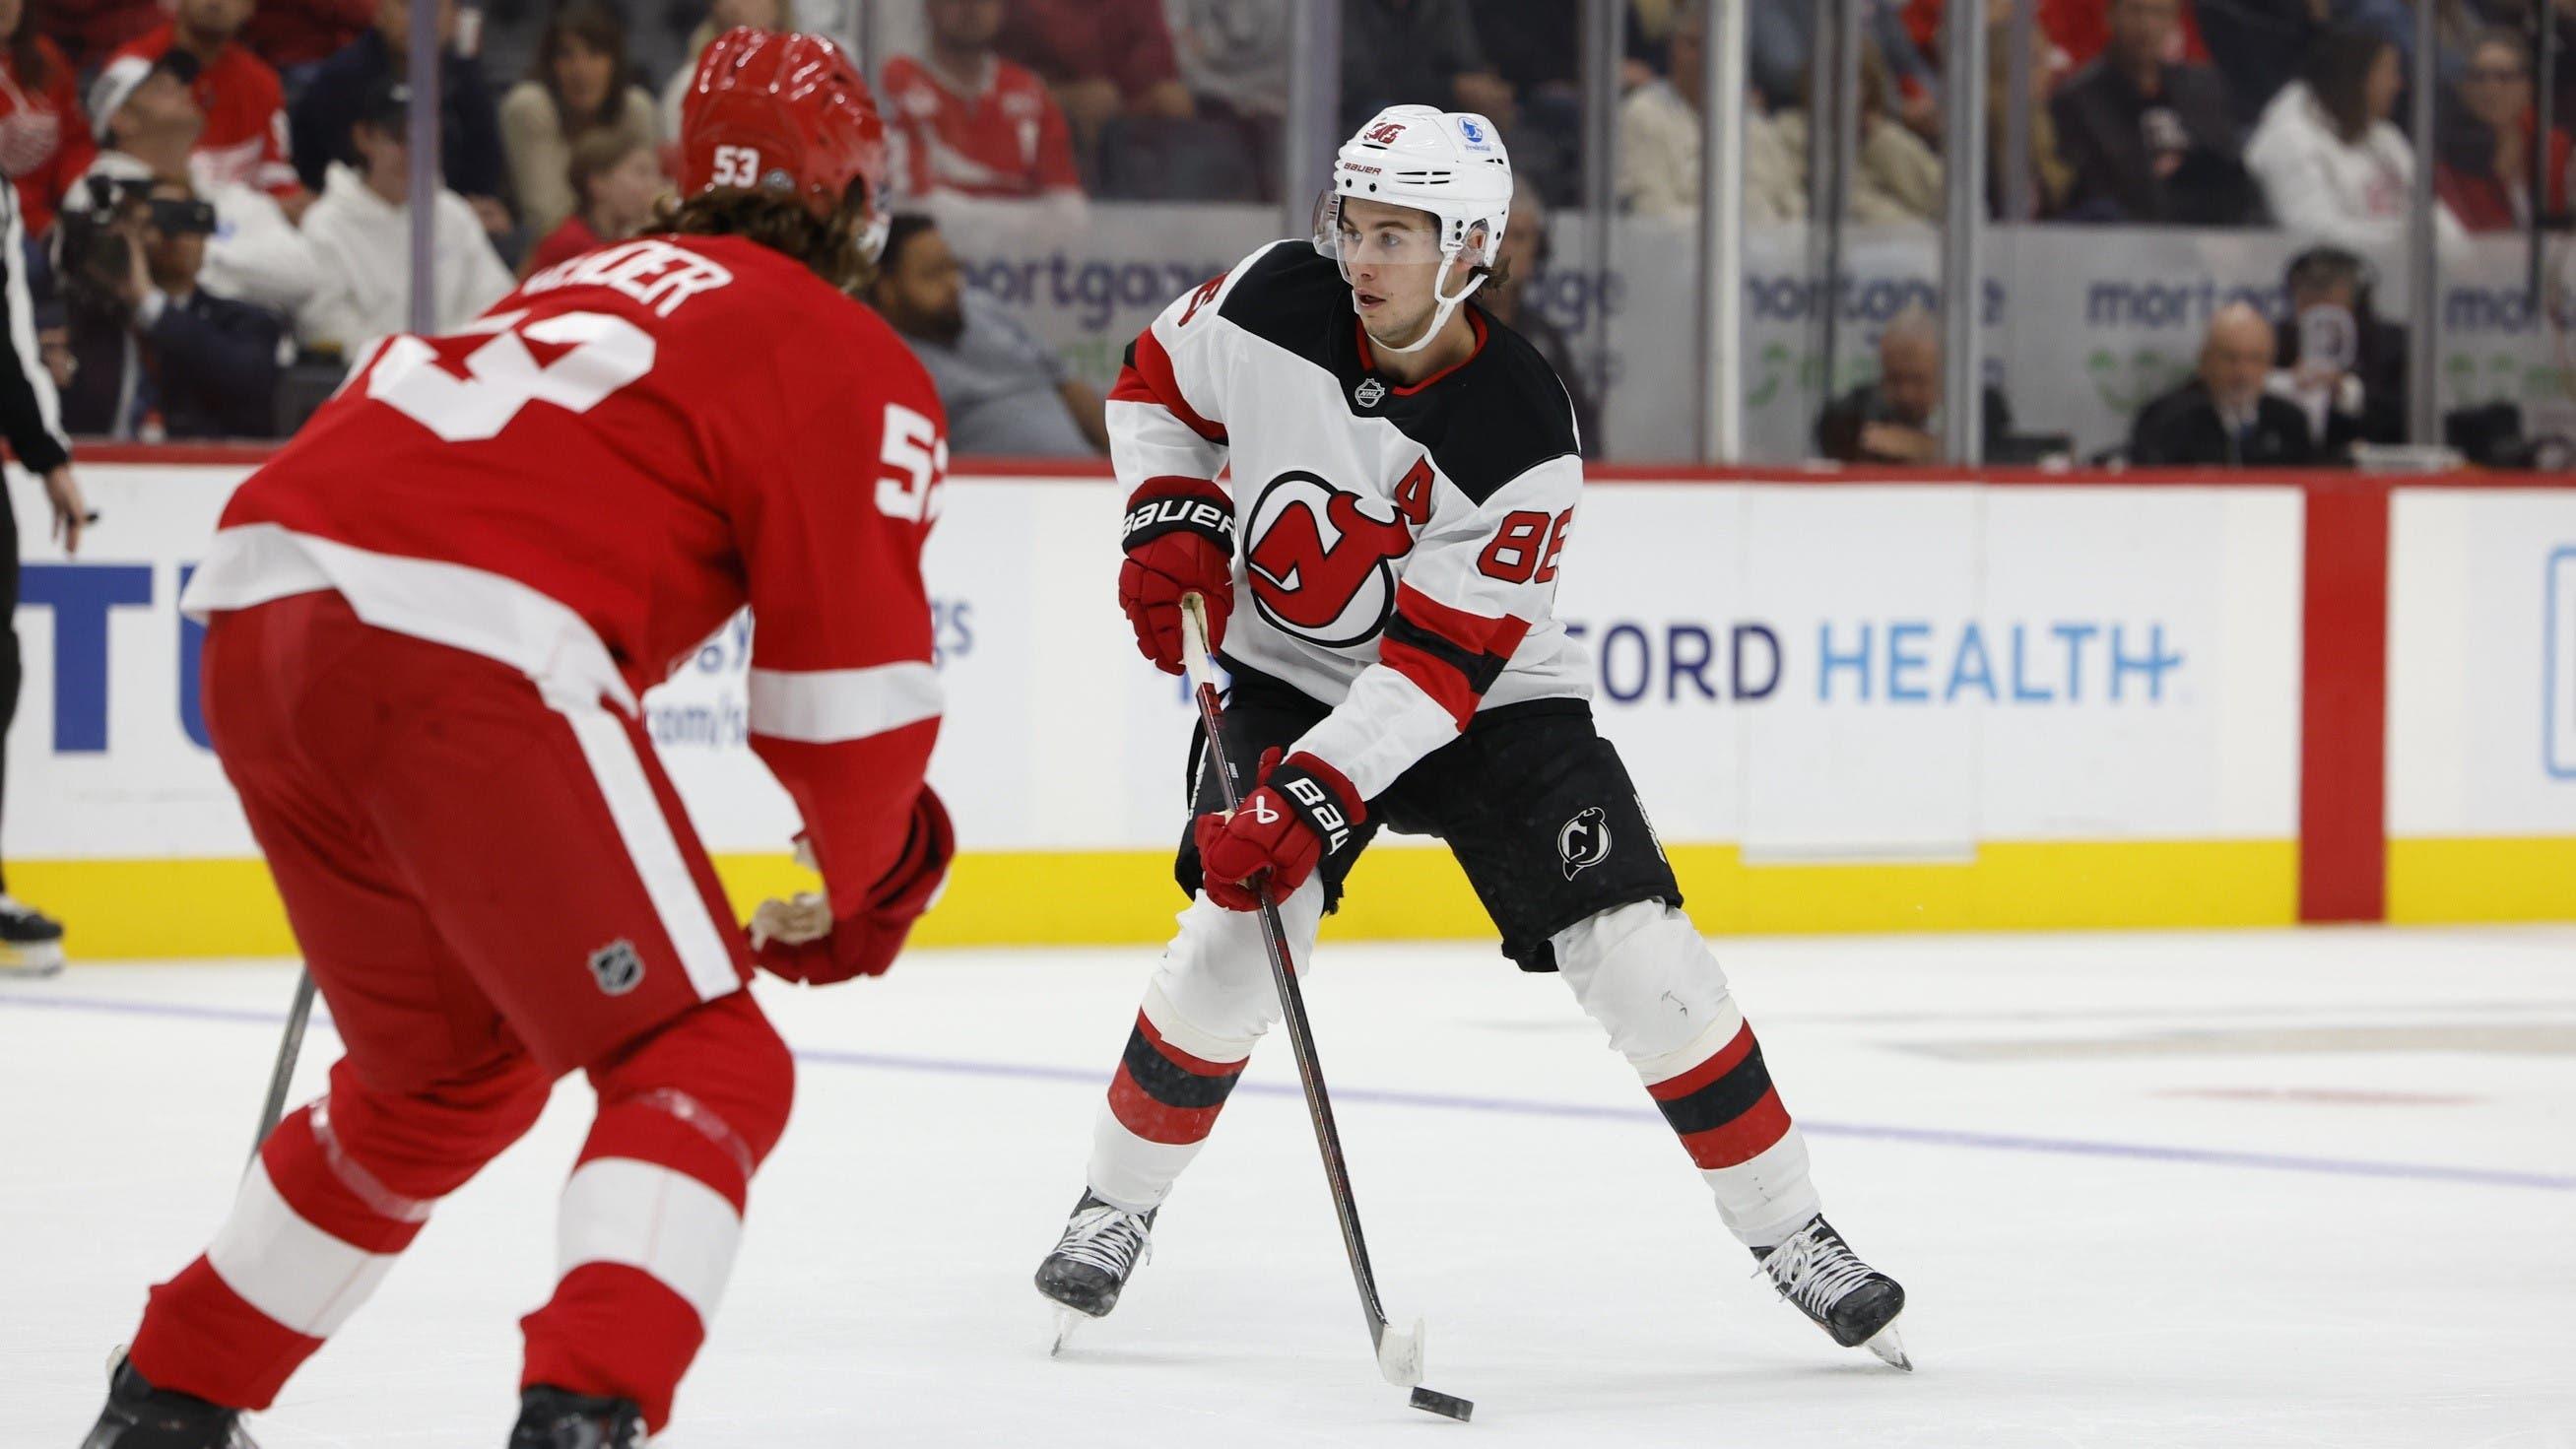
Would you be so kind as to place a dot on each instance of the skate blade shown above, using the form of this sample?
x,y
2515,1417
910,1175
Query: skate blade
x,y
32,962
1889,1348
1066,1321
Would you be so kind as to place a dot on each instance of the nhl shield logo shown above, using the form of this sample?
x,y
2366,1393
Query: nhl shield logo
x,y
1584,841
1369,394
617,968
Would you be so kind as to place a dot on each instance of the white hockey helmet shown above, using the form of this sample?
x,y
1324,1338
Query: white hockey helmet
x,y
1449,163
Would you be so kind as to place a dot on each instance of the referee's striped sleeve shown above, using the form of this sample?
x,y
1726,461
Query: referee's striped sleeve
x,y
30,413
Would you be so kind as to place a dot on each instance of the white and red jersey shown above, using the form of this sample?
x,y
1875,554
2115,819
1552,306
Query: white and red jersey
x,y
1400,544
1008,139
245,104
590,479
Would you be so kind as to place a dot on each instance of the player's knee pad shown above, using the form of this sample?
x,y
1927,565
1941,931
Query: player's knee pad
x,y
423,1140
1215,977
1644,972
720,1069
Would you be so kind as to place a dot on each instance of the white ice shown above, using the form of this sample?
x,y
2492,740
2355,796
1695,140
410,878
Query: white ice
x,y
2281,1188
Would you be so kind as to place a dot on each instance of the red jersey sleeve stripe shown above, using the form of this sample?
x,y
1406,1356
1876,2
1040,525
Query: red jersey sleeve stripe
x,y
1437,677
1147,378
1473,632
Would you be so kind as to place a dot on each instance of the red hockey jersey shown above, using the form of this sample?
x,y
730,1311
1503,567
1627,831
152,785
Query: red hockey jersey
x,y
1007,139
589,480
245,106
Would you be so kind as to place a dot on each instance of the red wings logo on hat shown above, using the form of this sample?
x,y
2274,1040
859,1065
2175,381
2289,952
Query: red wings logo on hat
x,y
1385,135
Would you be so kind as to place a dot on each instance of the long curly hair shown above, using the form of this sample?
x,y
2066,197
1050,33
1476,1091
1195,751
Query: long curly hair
x,y
831,249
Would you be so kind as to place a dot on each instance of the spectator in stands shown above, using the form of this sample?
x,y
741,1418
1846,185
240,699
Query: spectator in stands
x,y
2485,179
159,356
1899,177
774,16
1506,294
2222,416
1782,40
1897,419
2079,30
44,140
1233,59
2152,139
1232,55
361,234
1101,59
2341,363
2330,163
1006,393
582,82
245,134
967,122
1659,130
618,181
149,130
2258,47
2051,177
89,31
1425,51
297,35
469,140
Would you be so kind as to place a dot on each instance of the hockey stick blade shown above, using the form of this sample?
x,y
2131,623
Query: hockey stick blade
x,y
1399,1355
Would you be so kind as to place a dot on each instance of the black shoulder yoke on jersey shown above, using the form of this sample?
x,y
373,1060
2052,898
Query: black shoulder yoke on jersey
x,y
1485,422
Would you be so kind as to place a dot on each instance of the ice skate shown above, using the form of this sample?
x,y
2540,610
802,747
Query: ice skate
x,y
1816,1271
550,1418
139,1416
31,942
1099,1251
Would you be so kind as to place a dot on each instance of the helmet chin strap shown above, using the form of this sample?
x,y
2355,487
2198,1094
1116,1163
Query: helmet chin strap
x,y
1439,315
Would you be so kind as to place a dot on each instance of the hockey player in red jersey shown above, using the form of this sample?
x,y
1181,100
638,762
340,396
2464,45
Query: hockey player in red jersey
x,y
430,619
1381,576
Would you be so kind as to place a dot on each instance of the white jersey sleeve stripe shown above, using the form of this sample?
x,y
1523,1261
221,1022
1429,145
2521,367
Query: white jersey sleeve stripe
x,y
826,706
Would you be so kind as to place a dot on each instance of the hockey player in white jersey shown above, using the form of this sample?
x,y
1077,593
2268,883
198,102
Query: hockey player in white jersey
x,y
1379,578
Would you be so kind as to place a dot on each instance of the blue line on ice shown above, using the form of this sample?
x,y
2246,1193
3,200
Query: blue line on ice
x,y
1505,1106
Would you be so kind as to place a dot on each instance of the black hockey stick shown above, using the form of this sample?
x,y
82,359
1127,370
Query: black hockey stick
x,y
1399,1353
288,1050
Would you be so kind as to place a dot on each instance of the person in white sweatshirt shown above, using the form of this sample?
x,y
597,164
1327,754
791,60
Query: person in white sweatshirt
x,y
148,123
2331,164
360,231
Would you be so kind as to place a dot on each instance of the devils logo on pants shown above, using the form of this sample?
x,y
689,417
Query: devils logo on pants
x,y
1320,561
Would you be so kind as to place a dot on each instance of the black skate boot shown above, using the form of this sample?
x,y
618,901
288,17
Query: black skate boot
x,y
550,1418
1099,1251
139,1416
31,942
1817,1272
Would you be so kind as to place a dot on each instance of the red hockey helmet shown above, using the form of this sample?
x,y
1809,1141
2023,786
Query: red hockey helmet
x,y
785,114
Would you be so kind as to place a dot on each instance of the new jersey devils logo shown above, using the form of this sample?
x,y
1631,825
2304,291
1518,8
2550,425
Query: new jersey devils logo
x,y
1321,563
1385,134
1584,841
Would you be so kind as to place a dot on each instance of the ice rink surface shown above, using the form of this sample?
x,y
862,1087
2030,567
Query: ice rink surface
x,y
2283,1188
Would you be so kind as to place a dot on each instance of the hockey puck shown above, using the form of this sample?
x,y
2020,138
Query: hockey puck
x,y
1434,1401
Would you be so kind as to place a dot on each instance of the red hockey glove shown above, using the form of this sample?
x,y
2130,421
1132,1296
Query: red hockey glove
x,y
1303,811
866,943
1180,540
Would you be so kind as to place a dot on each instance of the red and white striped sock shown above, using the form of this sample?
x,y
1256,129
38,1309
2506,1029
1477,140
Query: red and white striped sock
x,y
1721,1103
1171,1082
652,1214
339,1189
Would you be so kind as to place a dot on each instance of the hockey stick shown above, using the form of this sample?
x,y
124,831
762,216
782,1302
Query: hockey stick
x,y
288,1051
1399,1353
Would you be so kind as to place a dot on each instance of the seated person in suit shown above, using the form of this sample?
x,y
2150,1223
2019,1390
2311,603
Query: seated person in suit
x,y
1896,419
2222,416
